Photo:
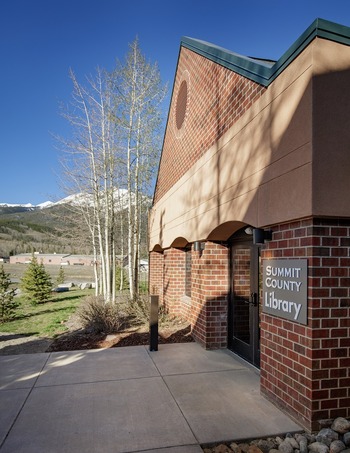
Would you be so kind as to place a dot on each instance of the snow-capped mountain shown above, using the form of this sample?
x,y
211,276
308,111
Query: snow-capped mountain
x,y
14,205
27,206
75,200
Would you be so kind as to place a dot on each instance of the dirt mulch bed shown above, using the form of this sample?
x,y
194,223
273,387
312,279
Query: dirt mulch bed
x,y
172,330
177,331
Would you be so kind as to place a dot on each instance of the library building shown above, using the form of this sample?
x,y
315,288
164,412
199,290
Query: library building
x,y
250,223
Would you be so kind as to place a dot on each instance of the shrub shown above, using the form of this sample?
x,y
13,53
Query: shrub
x,y
36,283
97,316
7,303
139,310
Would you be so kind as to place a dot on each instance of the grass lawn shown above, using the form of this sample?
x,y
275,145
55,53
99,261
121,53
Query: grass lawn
x,y
47,319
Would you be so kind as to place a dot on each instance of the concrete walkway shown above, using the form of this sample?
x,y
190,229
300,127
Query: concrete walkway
x,y
131,400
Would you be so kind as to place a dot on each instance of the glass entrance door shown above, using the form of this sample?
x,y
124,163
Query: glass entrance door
x,y
244,331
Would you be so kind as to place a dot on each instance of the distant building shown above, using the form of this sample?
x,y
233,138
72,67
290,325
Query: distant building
x,y
57,259
77,260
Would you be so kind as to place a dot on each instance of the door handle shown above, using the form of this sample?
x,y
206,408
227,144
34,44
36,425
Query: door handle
x,y
253,299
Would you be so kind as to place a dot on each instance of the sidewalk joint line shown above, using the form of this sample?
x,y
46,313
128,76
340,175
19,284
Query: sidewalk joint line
x,y
24,402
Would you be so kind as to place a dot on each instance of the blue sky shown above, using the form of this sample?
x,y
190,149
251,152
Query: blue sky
x,y
41,39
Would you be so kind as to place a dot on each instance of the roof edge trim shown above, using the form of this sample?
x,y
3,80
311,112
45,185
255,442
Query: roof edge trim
x,y
261,72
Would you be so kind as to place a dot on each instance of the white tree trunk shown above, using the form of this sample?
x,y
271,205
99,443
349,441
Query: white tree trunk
x,y
116,145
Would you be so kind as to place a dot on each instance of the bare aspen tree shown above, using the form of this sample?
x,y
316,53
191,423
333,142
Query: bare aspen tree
x,y
89,165
111,162
138,96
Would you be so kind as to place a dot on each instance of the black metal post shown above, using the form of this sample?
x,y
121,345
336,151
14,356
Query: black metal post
x,y
153,346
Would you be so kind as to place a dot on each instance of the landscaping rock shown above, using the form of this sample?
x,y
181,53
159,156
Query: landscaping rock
x,y
266,445
302,441
66,285
334,437
254,449
318,447
222,449
244,447
346,439
326,423
310,438
294,444
60,289
336,446
327,435
286,447
341,425
85,285
235,448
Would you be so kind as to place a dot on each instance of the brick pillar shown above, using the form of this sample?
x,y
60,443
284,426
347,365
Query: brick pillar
x,y
174,279
209,299
305,369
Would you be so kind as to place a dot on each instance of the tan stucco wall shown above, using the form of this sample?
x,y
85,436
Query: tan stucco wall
x,y
331,141
260,172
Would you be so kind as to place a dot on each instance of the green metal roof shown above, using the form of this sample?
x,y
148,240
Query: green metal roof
x,y
264,71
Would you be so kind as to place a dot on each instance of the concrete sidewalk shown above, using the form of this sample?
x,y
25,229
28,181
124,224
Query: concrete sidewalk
x,y
130,400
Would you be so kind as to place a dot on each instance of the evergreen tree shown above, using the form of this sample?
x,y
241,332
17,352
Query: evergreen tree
x,y
7,303
60,277
36,283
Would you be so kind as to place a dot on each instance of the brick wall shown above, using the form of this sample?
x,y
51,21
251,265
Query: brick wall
x,y
206,309
170,286
210,289
216,99
306,368
174,279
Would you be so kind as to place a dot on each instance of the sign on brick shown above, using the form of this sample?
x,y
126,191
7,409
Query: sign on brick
x,y
285,289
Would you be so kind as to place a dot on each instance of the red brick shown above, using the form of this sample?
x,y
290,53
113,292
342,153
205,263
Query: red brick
x,y
208,120
329,404
338,393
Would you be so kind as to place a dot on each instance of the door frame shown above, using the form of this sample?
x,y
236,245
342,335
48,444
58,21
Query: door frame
x,y
250,352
